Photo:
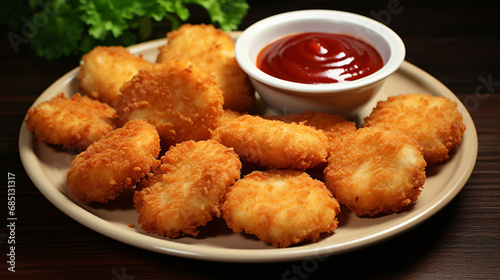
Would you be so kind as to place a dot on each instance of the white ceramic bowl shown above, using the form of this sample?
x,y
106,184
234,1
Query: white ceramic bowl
x,y
344,98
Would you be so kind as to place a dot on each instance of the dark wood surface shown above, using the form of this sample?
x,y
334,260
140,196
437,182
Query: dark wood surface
x,y
457,42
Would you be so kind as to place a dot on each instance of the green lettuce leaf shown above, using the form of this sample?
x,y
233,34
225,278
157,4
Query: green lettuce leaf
x,y
226,13
61,34
73,27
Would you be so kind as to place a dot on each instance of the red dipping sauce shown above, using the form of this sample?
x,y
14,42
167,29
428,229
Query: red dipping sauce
x,y
318,58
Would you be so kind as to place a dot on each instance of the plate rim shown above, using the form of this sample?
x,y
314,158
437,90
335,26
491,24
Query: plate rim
x,y
194,251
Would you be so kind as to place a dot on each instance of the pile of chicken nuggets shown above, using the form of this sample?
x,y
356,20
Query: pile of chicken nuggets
x,y
178,131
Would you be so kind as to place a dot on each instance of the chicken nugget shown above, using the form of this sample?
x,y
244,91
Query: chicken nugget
x,y
179,99
115,163
434,122
273,143
280,207
75,123
187,190
334,126
104,70
212,50
376,171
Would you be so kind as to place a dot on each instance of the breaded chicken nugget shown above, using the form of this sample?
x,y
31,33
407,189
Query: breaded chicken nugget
x,y
434,122
76,122
273,143
115,163
187,190
334,126
280,207
376,171
213,50
179,99
104,70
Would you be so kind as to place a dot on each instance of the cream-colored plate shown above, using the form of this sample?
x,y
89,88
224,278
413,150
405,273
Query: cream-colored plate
x,y
46,165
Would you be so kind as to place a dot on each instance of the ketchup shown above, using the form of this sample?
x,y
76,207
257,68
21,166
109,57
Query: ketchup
x,y
317,58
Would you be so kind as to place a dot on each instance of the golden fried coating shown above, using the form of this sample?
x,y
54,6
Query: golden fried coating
x,y
376,171
179,99
229,115
115,163
280,207
273,143
104,70
434,122
334,126
187,190
213,50
76,122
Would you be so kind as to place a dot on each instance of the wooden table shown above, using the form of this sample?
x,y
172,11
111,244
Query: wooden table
x,y
457,42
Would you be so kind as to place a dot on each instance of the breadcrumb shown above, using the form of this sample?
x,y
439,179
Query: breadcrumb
x,y
115,163
179,99
187,190
212,50
280,207
434,122
273,143
376,171
104,70
74,122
